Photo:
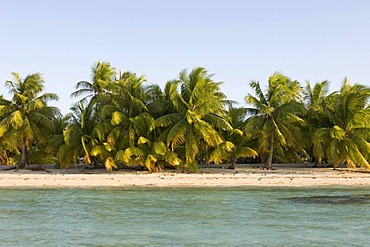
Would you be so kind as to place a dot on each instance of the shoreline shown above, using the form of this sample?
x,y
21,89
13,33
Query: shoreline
x,y
246,176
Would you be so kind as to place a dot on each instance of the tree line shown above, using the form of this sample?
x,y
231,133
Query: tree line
x,y
119,120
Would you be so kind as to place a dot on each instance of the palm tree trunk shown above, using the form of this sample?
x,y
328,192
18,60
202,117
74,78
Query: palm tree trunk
x,y
95,162
233,162
24,159
268,164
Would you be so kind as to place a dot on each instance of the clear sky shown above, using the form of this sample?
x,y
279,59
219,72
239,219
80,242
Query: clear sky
x,y
238,40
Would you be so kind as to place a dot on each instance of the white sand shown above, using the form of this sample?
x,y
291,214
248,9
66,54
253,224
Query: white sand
x,y
246,176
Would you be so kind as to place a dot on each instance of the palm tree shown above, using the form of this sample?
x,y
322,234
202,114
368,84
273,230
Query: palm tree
x,y
26,118
128,93
127,100
235,144
158,101
347,140
148,151
82,134
103,75
316,117
56,140
275,115
199,113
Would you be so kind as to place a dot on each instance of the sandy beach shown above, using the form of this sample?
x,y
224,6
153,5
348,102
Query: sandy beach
x,y
284,175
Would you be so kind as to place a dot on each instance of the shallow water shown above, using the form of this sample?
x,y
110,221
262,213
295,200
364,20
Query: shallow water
x,y
184,217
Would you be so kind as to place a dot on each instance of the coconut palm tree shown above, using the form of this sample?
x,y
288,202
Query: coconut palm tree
x,y
158,101
102,75
56,140
275,115
127,100
347,140
128,93
148,151
26,119
235,144
82,134
199,106
316,117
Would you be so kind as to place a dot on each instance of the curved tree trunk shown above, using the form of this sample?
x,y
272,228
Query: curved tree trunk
x,y
268,164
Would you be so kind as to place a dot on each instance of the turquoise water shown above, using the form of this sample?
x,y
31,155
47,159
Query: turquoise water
x,y
184,217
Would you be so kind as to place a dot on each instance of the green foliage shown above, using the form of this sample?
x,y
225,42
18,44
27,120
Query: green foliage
x,y
235,144
275,116
347,140
198,115
122,121
102,75
26,120
81,135
147,152
316,117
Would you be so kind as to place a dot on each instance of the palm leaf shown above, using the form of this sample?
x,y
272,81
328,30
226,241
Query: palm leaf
x,y
177,134
159,148
110,164
172,158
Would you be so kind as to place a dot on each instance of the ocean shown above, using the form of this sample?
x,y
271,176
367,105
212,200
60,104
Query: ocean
x,y
243,216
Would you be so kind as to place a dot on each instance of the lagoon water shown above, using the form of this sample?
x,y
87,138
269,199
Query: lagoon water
x,y
185,217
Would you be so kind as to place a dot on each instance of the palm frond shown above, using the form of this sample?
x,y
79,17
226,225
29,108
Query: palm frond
x,y
177,134
110,164
159,148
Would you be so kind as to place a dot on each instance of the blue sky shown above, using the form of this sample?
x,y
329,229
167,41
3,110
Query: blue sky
x,y
239,41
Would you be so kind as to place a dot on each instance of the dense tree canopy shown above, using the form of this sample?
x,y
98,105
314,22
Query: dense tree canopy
x,y
275,119
26,119
119,120
347,139
199,113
